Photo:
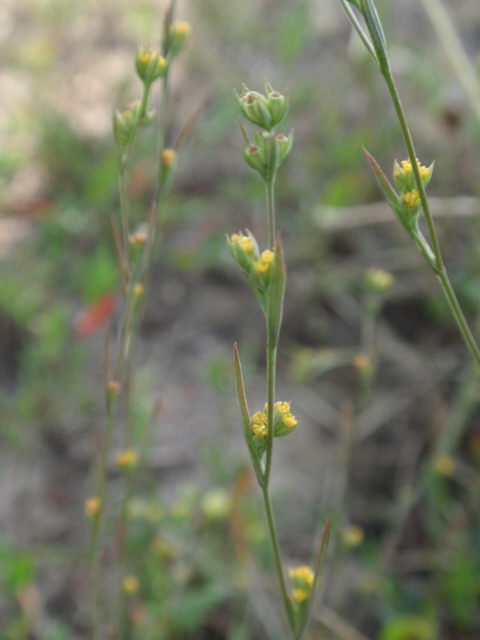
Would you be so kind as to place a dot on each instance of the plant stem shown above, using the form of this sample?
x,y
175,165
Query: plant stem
x,y
407,136
270,192
458,315
271,374
100,494
277,556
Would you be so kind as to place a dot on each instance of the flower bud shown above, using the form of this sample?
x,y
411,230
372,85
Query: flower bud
x,y
178,34
378,280
264,111
125,124
150,65
277,105
169,160
127,459
257,159
284,145
93,507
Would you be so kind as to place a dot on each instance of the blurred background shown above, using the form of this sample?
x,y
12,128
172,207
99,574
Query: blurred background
x,y
389,440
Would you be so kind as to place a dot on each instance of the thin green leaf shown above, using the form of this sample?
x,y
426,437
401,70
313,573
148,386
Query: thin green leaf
x,y
358,27
376,33
244,414
384,184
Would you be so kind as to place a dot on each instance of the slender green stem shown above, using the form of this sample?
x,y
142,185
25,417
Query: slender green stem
x,y
270,193
100,483
277,556
439,264
271,373
124,218
407,136
458,315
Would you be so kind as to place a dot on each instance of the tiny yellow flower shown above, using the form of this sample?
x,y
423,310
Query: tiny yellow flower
x,y
412,198
289,420
127,459
246,243
261,267
406,167
299,595
139,289
130,585
302,580
353,535
444,465
181,28
302,573
93,507
362,363
267,256
283,407
144,56
259,418
161,64
259,430
169,157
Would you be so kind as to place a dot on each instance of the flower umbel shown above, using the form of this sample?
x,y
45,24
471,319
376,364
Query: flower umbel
x,y
302,578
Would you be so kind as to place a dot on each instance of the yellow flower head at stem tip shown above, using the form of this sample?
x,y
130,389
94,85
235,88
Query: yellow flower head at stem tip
x,y
244,242
127,459
412,198
169,157
93,507
130,585
262,265
302,580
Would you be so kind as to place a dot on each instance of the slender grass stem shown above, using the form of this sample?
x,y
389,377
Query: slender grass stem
x,y
277,558
124,218
270,193
407,136
271,374
100,483
458,315
439,264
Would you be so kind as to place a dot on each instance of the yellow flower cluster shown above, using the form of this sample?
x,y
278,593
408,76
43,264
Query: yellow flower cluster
x,y
127,459
283,420
130,585
181,28
405,169
302,580
93,507
244,242
412,198
288,419
259,424
263,264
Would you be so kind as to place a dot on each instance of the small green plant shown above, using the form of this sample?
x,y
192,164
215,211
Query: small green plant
x,y
265,273
134,241
410,176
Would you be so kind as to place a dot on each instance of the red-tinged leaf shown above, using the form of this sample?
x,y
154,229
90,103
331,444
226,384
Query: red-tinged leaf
x,y
95,316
